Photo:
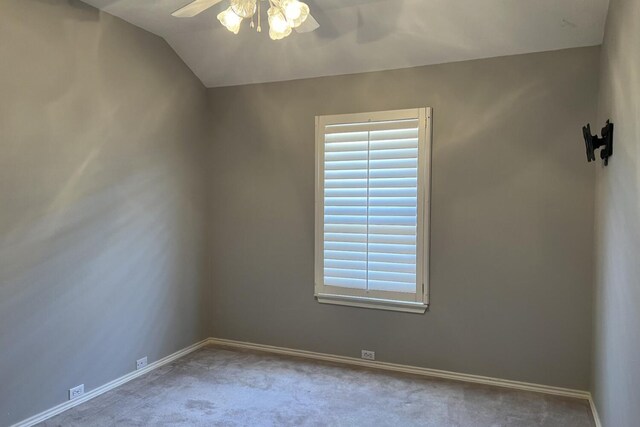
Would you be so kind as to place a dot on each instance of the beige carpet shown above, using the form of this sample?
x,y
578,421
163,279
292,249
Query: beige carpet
x,y
218,387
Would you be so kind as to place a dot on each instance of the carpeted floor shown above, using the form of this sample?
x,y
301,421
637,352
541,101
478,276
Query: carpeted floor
x,y
219,387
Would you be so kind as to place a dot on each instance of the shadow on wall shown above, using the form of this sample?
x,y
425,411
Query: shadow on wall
x,y
102,241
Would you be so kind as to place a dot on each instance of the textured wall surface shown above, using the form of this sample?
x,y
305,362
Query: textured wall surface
x,y
512,217
616,375
102,241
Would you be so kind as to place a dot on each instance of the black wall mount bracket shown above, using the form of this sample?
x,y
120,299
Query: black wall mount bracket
x,y
593,142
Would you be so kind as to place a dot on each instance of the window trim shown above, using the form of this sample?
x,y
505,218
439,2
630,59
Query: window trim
x,y
383,300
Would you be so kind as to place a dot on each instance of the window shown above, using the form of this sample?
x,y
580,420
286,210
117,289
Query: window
x,y
372,209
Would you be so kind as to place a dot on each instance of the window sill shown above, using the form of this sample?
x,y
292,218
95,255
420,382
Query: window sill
x,y
373,303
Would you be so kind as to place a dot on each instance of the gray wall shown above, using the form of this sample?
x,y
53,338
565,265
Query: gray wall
x,y
104,177
512,217
616,375
102,241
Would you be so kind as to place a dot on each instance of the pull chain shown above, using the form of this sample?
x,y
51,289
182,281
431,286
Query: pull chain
x,y
259,29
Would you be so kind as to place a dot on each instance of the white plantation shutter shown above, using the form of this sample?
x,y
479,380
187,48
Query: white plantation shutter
x,y
371,208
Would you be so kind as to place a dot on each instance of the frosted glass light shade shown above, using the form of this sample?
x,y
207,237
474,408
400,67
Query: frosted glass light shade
x,y
295,11
244,8
230,20
279,27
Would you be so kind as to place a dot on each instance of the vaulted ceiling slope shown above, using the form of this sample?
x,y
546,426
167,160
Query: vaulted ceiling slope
x,y
367,35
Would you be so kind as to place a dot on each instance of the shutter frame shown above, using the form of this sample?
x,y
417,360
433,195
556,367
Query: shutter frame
x,y
388,137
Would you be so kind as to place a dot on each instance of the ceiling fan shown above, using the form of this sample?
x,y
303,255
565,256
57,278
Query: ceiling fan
x,y
283,15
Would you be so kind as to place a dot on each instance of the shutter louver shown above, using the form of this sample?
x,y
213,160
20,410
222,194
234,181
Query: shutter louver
x,y
371,205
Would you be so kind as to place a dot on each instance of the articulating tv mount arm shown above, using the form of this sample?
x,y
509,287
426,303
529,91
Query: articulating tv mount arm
x,y
593,142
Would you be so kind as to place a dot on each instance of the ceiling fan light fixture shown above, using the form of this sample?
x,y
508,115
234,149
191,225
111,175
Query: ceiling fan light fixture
x,y
295,11
230,20
244,8
279,26
283,15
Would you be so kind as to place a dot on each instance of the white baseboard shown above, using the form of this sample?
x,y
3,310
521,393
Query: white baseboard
x,y
38,418
392,367
594,411
436,373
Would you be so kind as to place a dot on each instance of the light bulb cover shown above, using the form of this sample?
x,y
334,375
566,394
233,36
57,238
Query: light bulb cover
x,y
278,36
244,8
295,11
279,27
230,20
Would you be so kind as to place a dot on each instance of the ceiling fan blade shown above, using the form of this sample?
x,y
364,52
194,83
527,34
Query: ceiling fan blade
x,y
309,24
194,8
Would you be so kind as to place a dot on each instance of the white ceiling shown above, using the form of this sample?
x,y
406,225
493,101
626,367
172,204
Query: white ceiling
x,y
367,35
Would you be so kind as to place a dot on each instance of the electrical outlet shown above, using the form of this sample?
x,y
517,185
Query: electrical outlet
x,y
141,363
368,355
76,392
